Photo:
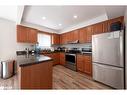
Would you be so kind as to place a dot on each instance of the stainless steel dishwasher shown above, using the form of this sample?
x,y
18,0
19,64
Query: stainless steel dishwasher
x,y
7,69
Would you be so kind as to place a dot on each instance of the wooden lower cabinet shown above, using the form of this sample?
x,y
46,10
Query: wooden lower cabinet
x,y
62,58
54,56
58,58
84,64
37,76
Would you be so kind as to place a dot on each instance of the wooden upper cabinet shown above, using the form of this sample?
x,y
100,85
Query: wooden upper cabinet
x,y
88,34
61,39
26,35
119,19
32,35
82,35
85,35
55,39
97,28
21,33
105,26
70,36
75,35
64,38
67,37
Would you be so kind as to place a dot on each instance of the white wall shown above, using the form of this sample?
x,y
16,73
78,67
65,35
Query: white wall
x,y
125,17
8,43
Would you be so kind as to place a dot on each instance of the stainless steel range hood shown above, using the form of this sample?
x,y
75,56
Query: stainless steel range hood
x,y
74,42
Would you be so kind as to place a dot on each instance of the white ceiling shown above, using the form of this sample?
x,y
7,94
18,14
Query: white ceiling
x,y
56,15
8,12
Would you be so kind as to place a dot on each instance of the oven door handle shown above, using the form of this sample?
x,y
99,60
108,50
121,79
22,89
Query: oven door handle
x,y
71,54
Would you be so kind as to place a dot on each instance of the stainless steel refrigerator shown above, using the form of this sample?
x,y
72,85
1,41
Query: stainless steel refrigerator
x,y
108,58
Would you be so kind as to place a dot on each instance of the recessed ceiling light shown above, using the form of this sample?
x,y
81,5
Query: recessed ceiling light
x,y
75,16
43,17
60,24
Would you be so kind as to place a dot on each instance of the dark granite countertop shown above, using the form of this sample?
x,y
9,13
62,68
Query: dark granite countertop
x,y
25,60
85,53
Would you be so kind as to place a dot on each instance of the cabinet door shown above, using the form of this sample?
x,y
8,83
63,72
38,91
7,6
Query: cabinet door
x,y
21,33
80,63
32,35
88,34
55,39
82,35
97,28
105,26
71,36
119,19
56,58
67,37
75,35
38,76
63,39
62,58
88,64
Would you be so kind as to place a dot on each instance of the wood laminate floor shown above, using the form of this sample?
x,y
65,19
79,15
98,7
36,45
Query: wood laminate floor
x,y
63,78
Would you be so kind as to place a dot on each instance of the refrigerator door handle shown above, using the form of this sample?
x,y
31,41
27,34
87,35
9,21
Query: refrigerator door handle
x,y
121,49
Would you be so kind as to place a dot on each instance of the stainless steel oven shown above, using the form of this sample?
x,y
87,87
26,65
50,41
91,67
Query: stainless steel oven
x,y
70,59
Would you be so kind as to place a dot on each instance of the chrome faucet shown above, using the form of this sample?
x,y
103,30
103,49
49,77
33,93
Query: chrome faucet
x,y
27,50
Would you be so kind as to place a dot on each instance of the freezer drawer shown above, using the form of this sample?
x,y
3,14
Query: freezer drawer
x,y
112,76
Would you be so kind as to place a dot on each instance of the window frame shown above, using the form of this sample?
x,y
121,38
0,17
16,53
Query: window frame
x,y
45,33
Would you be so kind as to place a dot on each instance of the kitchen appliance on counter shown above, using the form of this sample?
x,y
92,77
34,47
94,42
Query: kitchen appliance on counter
x,y
86,50
70,58
108,58
30,52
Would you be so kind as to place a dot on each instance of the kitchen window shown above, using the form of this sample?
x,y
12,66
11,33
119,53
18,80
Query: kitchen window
x,y
44,40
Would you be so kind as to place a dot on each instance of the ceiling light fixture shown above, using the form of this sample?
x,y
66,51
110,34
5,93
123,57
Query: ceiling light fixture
x,y
75,16
43,18
60,24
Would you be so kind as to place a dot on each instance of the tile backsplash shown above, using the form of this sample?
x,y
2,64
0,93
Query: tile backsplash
x,y
22,46
79,46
